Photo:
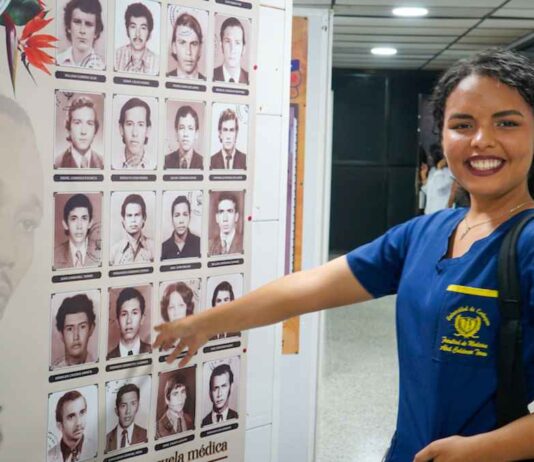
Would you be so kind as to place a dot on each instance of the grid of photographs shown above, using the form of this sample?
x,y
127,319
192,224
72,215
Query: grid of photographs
x,y
152,159
150,38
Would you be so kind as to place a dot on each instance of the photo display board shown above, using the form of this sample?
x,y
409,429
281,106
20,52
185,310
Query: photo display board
x,y
127,143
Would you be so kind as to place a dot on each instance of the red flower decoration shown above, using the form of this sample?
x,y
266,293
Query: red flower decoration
x,y
31,44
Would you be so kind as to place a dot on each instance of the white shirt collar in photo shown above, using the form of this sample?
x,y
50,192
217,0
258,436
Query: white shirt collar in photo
x,y
227,239
78,157
223,413
129,437
229,75
66,58
143,164
135,349
73,249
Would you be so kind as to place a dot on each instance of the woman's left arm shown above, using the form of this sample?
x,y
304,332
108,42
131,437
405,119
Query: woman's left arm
x,y
508,443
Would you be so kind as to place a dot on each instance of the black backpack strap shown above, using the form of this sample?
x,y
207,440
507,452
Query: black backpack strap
x,y
511,398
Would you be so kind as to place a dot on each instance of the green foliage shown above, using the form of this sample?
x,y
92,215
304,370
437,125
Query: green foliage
x,y
21,11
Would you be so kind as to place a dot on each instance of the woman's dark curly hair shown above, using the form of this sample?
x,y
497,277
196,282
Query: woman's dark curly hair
x,y
508,67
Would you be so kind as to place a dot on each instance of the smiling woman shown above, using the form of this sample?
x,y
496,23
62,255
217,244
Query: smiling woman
x,y
484,109
443,268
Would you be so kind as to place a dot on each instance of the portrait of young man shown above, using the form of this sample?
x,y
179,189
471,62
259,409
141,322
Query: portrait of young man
x,y
130,309
134,130
80,249
21,183
83,25
175,401
220,390
233,46
182,243
223,293
75,322
135,246
228,157
141,28
186,128
186,45
82,124
126,433
74,413
226,237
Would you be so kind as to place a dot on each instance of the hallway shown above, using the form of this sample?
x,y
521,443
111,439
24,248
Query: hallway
x,y
358,384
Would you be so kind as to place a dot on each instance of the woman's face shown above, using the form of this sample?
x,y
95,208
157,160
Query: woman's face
x,y
177,308
488,137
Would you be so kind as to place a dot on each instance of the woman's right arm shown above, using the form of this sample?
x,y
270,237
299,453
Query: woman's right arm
x,y
330,285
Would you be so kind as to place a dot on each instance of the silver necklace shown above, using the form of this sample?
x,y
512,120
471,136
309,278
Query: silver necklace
x,y
509,212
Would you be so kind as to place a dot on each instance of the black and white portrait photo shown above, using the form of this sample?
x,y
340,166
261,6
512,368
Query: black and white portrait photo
x,y
229,136
181,225
79,137
179,299
231,54
132,227
187,33
127,412
129,321
220,391
73,425
226,222
77,235
222,289
81,33
137,36
74,325
175,412
185,130
135,132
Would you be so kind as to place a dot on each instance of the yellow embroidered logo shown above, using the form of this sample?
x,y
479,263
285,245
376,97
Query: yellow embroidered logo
x,y
467,322
467,327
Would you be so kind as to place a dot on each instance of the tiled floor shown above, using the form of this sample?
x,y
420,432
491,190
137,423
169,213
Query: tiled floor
x,y
358,384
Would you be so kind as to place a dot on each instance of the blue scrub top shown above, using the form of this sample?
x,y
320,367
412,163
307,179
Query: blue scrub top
x,y
447,318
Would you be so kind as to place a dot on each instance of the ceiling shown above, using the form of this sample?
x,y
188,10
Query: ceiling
x,y
452,30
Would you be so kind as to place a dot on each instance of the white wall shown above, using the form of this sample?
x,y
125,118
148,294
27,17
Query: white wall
x,y
268,216
281,389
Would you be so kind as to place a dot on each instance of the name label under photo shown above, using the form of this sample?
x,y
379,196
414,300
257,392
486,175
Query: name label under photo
x,y
183,177
231,91
130,272
215,431
172,443
72,375
77,277
137,82
82,178
80,76
129,365
180,267
137,177
127,455
219,263
185,86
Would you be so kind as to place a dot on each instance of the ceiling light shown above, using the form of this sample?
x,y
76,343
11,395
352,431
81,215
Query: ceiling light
x,y
384,51
410,12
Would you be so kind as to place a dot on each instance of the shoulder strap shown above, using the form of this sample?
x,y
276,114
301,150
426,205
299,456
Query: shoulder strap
x,y
511,398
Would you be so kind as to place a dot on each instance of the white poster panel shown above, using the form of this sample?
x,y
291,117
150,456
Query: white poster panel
x,y
117,216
